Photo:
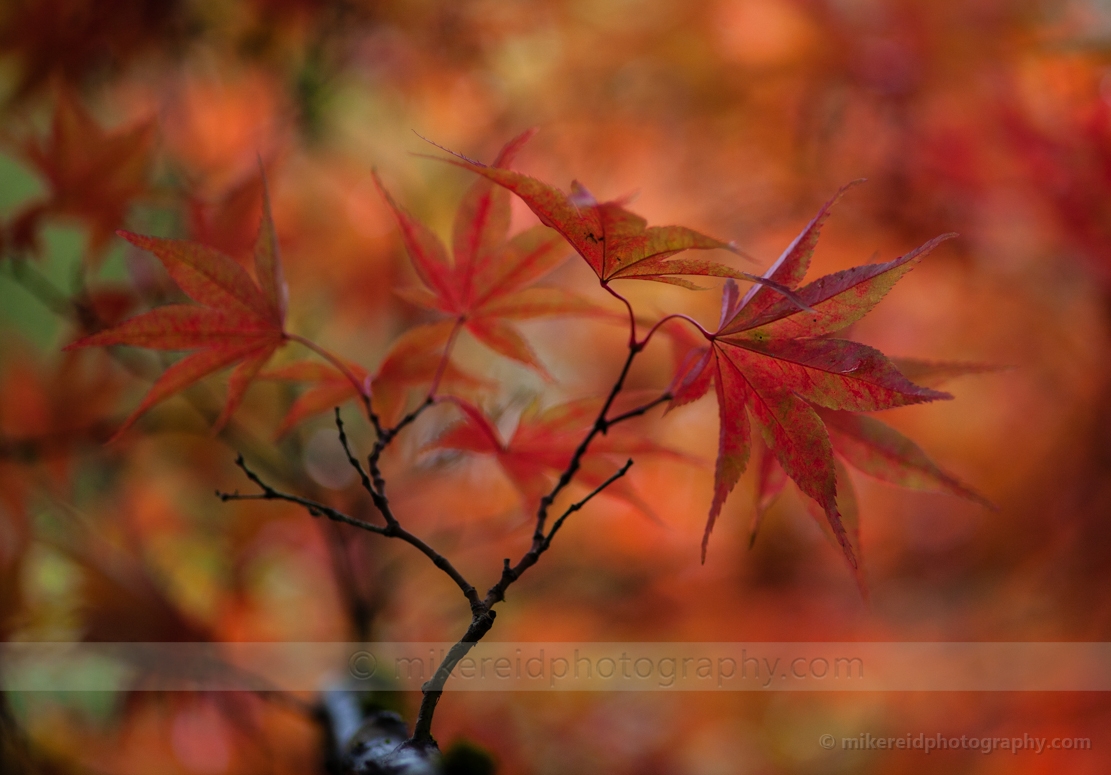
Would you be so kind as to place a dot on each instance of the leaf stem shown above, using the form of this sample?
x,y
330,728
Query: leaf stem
x,y
632,315
675,316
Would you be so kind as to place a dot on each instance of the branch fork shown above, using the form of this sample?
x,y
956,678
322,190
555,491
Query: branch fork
x,y
482,608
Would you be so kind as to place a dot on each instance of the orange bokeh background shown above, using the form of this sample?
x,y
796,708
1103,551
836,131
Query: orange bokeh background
x,y
990,118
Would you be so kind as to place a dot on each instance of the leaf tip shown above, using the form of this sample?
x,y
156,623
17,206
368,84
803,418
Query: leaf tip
x,y
581,196
132,237
737,250
448,150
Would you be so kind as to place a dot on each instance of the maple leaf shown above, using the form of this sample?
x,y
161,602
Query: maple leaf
x,y
776,364
224,221
236,319
485,286
92,174
543,443
880,451
416,358
876,449
935,373
616,243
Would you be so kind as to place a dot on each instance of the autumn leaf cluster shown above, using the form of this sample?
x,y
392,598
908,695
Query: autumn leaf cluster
x,y
773,360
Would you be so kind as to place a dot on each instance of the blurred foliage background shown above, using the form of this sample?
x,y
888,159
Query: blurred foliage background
x,y
991,118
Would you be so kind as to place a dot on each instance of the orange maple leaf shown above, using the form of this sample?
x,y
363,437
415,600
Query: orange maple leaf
x,y
544,442
486,286
236,319
416,358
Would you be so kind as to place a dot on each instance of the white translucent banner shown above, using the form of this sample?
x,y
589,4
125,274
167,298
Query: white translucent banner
x,y
595,667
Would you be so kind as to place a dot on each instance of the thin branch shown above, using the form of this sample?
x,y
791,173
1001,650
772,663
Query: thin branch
x,y
576,506
640,410
393,528
483,619
601,425
385,438
540,541
314,508
433,689
375,485
389,434
354,461
482,613
396,531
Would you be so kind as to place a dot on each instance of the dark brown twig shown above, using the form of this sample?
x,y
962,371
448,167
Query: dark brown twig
x,y
601,425
354,461
314,508
392,529
577,505
482,613
640,410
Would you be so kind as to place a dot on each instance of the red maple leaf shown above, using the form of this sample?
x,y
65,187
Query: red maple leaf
x,y
872,448
778,365
224,220
616,243
92,174
486,285
236,320
543,443
878,450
